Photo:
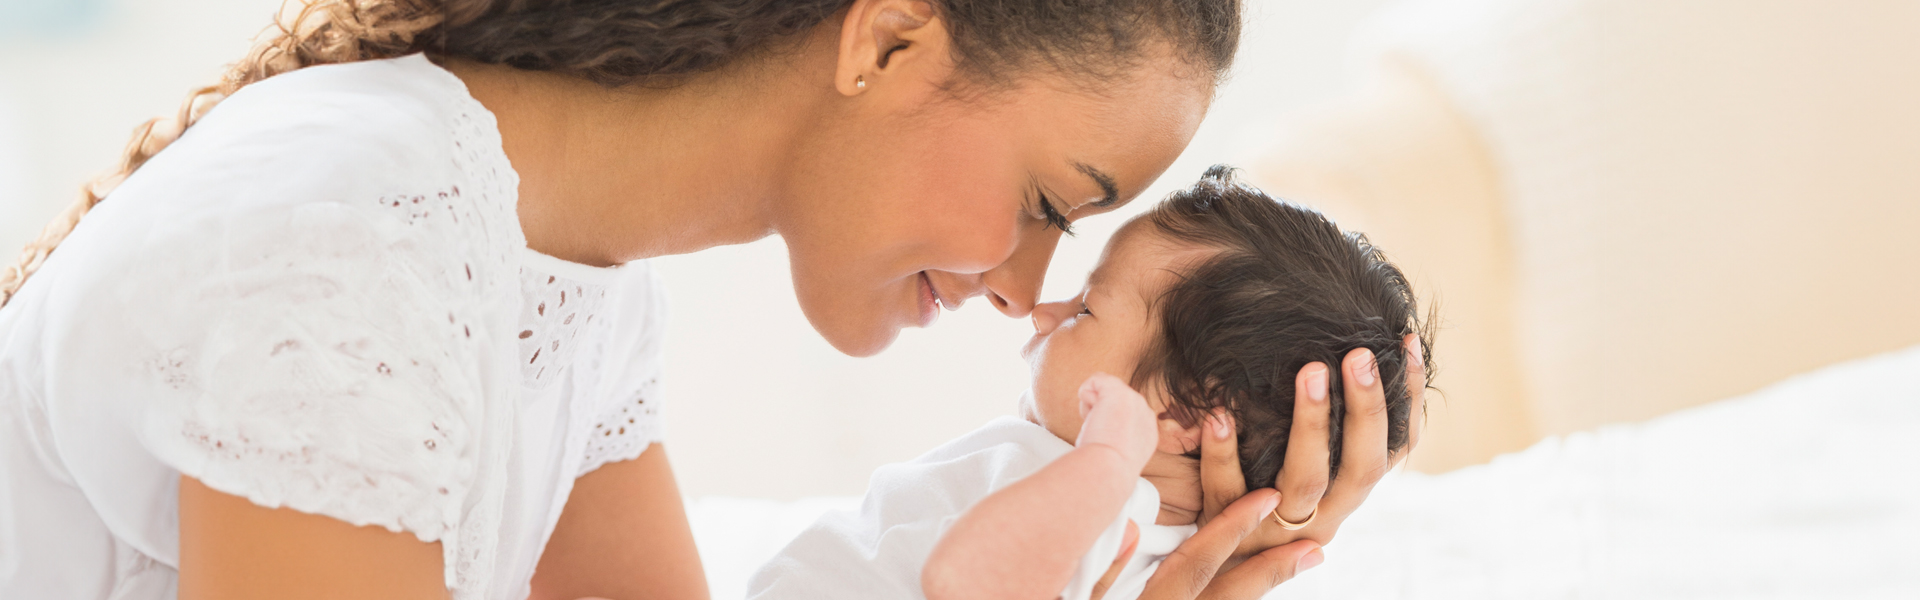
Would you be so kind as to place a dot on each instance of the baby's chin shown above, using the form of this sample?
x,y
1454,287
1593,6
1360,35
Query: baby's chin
x,y
1027,411
1177,478
1063,426
1176,515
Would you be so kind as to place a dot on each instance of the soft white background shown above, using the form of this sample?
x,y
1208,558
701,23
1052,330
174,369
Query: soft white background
x,y
757,404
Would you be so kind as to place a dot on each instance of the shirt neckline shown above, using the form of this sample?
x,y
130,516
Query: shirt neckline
x,y
530,258
548,264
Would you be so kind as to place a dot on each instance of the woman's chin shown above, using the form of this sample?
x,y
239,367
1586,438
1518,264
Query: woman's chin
x,y
861,329
859,338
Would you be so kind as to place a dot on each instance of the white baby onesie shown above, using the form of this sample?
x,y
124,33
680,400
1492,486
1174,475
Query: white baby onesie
x,y
878,552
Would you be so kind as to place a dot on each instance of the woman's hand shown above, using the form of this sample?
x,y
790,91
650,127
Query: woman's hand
x,y
1194,570
1237,530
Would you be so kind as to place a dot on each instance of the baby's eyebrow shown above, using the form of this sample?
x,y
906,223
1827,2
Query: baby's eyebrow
x,y
1094,279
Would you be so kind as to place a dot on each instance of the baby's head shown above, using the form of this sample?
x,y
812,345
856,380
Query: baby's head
x,y
1217,298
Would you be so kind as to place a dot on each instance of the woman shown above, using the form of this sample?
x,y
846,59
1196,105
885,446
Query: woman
x,y
378,324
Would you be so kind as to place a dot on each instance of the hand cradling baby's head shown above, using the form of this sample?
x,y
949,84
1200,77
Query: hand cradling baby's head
x,y
1216,298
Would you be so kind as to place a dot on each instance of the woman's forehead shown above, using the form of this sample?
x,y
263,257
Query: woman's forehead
x,y
1126,134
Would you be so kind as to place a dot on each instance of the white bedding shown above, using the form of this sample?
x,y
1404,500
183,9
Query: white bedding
x,y
1807,489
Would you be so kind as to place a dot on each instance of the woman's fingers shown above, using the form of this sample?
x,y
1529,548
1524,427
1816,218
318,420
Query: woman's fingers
x,y
1185,573
1221,481
1363,448
1128,542
1260,574
1416,394
1303,477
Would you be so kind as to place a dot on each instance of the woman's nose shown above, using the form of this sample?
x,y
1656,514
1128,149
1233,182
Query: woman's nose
x,y
1014,286
1048,316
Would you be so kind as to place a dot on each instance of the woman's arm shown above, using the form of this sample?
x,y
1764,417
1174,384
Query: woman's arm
x,y
624,536
233,548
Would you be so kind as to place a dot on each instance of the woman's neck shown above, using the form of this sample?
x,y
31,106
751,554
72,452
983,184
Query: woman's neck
x,y
609,175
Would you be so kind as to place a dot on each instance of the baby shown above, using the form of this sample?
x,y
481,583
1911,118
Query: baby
x,y
1210,303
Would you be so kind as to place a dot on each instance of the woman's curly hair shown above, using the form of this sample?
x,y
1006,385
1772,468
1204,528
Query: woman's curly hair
x,y
623,42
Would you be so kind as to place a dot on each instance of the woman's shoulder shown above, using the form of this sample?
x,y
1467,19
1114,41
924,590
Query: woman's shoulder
x,y
406,104
371,167
334,192
337,133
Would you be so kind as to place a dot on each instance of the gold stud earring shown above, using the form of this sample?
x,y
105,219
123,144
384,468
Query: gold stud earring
x,y
860,81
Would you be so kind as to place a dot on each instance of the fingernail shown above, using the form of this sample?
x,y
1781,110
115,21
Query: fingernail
x,y
1273,502
1317,384
1221,425
1414,355
1364,372
1311,560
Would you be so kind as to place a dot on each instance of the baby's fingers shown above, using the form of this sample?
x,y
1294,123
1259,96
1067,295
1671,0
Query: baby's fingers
x,y
1116,416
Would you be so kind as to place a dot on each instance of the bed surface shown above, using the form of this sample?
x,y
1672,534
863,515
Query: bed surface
x,y
1807,489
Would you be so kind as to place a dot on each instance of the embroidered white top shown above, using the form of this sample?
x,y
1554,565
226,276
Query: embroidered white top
x,y
318,298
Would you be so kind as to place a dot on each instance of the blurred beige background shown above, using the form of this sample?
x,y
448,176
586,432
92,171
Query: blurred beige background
x,y
1627,207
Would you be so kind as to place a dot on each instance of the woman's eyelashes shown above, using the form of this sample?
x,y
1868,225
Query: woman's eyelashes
x,y
1052,215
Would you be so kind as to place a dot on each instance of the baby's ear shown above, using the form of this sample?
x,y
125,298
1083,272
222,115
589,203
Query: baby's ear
x,y
1175,439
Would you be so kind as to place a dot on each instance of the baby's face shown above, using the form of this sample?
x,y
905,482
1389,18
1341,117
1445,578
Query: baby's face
x,y
1105,328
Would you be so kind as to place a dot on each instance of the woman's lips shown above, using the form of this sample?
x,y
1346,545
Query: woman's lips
x,y
929,302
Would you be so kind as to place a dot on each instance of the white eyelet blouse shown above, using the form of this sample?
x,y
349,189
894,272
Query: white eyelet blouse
x,y
318,298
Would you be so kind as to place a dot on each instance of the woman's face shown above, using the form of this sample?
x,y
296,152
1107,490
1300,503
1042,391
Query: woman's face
x,y
911,198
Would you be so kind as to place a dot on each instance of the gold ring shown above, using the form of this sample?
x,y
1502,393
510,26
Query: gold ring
x,y
1284,524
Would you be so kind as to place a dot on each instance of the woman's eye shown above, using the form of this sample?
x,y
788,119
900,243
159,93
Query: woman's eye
x,y
1053,216
1084,310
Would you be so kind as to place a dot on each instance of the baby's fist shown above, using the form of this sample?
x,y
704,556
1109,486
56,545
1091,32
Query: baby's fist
x,y
1115,416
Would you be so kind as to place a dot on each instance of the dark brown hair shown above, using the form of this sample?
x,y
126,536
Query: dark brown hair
x,y
1285,289
620,42
625,41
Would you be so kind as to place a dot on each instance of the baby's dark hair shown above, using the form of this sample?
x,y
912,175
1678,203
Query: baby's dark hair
x,y
1285,289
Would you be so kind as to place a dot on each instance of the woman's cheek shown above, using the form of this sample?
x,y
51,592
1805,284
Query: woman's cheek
x,y
970,186
963,238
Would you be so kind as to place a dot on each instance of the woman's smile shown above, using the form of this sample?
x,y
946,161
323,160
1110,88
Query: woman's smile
x,y
929,302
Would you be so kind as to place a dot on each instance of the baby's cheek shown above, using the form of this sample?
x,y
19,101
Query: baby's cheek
x,y
1058,409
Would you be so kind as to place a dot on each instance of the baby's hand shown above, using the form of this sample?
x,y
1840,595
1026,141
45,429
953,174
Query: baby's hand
x,y
1026,540
1116,416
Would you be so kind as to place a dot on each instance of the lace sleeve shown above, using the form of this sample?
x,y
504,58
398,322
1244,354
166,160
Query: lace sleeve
x,y
324,357
630,369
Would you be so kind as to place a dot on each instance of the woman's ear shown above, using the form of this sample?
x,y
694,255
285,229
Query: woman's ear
x,y
881,40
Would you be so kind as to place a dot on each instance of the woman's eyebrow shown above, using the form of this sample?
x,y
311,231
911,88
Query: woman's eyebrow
x,y
1102,179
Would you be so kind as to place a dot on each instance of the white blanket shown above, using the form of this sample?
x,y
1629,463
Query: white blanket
x,y
1807,489
878,550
